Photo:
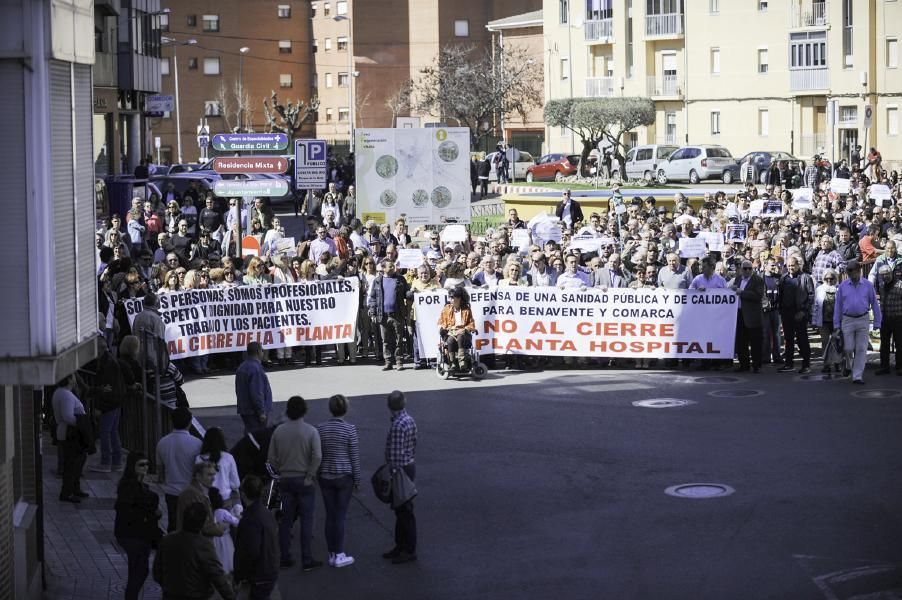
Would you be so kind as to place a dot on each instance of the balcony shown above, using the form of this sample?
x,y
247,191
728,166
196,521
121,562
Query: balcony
x,y
601,31
665,86
809,80
105,70
809,14
599,87
666,25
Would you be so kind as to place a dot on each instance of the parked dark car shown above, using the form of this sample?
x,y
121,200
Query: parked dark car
x,y
763,159
553,167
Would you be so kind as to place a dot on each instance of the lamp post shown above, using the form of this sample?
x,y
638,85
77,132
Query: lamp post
x,y
175,67
351,75
242,51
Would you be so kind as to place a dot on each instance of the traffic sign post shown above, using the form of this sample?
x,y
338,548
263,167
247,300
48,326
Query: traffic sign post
x,y
250,164
155,106
250,142
310,168
253,188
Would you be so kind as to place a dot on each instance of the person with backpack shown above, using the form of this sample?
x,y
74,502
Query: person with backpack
x,y
108,394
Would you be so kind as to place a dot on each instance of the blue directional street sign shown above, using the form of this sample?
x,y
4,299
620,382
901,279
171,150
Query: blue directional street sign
x,y
310,164
245,142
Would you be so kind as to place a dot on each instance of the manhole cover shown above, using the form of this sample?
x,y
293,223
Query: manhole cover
x,y
662,403
699,491
819,377
736,393
717,379
878,394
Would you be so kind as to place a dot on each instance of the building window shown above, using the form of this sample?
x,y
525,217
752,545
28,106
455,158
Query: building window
x,y
314,80
847,23
715,61
715,122
461,28
328,115
763,121
164,22
808,50
341,44
328,80
327,9
164,66
564,10
342,80
714,7
211,66
629,39
211,22
284,11
328,44
344,114
212,109
315,46
341,7
762,5
192,64
848,115
192,20
762,60
284,46
565,68
285,80
892,120
313,7
892,53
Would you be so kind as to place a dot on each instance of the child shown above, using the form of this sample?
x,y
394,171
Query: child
x,y
225,548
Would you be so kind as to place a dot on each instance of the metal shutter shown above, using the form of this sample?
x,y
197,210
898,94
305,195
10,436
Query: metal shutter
x,y
84,190
63,192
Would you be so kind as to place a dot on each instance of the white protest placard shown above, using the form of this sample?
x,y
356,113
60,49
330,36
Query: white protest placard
x,y
286,246
209,321
686,219
454,233
520,238
714,240
755,207
544,321
839,186
619,209
693,247
547,231
802,198
586,244
737,232
732,210
880,192
410,258
773,209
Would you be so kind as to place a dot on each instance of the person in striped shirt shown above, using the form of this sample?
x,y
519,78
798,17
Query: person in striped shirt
x,y
339,475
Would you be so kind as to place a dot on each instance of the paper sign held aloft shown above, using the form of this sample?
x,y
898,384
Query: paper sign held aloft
x,y
520,238
802,198
410,258
286,246
839,186
693,247
714,240
880,192
454,233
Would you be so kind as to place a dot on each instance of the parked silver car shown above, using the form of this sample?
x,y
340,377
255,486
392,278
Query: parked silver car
x,y
694,163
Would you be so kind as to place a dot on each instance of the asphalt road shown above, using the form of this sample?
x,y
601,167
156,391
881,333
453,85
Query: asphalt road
x,y
552,485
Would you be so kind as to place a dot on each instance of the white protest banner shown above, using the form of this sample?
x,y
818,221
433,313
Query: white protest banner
x,y
520,238
410,258
714,240
880,192
839,186
454,233
737,232
755,207
692,247
802,198
543,321
216,320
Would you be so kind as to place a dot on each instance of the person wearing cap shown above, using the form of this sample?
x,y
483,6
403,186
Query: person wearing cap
x,y
889,290
749,323
855,298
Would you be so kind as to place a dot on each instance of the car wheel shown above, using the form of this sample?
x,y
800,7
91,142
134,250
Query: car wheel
x,y
558,176
529,177
647,176
728,177
662,177
693,177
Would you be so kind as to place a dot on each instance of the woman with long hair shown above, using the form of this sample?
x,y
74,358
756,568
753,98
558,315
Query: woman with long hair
x,y
214,450
136,527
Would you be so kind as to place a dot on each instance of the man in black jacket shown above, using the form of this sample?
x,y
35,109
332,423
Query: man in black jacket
x,y
569,211
257,553
186,565
387,307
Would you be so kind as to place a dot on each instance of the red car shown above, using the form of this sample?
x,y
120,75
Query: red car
x,y
553,167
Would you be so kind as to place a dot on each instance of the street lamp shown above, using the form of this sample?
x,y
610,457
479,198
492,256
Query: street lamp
x,y
242,51
168,41
351,75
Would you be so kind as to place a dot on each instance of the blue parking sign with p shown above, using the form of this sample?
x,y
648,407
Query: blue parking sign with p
x,y
310,164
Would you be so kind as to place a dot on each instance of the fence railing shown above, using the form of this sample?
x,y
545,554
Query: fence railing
x,y
600,30
599,87
808,13
664,85
801,80
663,25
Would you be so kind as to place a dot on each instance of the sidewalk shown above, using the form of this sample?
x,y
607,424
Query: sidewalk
x,y
82,559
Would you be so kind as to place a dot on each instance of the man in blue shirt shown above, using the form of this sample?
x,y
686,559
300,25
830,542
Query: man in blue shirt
x,y
855,298
252,390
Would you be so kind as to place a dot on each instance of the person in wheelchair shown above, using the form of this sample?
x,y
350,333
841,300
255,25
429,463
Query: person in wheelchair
x,y
457,327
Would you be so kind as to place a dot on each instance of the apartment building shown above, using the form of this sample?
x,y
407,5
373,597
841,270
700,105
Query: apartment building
x,y
218,48
792,75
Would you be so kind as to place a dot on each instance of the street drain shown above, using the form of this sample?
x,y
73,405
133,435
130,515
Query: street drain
x,y
819,377
735,393
662,403
878,394
699,491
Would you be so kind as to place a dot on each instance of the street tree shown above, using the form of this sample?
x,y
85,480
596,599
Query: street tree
x,y
235,106
288,118
474,87
595,120
399,102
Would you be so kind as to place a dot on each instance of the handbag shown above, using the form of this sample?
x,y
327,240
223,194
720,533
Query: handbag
x,y
382,483
403,489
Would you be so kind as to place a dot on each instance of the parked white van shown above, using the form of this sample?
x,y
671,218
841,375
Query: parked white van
x,y
642,161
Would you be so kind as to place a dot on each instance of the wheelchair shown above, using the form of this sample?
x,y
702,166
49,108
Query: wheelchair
x,y
445,365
